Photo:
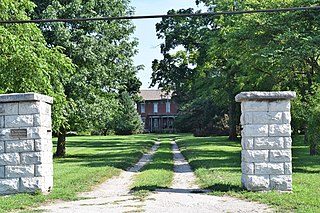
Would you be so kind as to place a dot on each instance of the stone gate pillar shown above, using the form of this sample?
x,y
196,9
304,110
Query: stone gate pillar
x,y
266,140
25,143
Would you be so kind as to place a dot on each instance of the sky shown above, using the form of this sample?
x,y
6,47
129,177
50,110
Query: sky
x,y
149,45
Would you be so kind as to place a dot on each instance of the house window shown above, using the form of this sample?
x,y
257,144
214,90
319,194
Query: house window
x,y
168,106
156,123
143,107
155,107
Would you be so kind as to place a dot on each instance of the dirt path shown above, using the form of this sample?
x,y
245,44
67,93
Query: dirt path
x,y
183,196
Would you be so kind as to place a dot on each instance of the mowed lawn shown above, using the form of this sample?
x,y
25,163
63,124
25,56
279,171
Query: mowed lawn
x,y
217,161
89,161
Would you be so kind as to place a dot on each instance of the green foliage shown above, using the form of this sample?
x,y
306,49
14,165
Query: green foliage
x,y
127,120
313,131
27,64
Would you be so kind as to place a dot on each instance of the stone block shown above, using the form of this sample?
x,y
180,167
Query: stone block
x,y
1,121
279,130
42,120
269,168
254,106
287,142
269,143
39,133
48,184
281,182
9,186
2,146
280,156
43,170
286,117
255,156
254,130
32,184
267,117
247,168
247,142
1,172
255,182
19,171
9,109
288,168
279,105
44,145
5,134
20,146
17,121
34,107
11,159
36,158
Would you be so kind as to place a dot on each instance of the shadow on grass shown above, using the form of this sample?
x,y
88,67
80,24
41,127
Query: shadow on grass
x,y
221,187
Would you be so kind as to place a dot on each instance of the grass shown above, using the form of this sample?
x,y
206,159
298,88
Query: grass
x,y
158,173
89,161
216,162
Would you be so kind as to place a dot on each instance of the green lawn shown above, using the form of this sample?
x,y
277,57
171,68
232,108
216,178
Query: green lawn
x,y
216,162
89,161
159,172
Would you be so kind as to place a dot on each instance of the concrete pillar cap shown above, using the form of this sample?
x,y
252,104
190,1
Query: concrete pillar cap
x,y
265,96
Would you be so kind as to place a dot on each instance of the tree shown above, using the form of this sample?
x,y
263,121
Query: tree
x,y
27,64
102,52
127,121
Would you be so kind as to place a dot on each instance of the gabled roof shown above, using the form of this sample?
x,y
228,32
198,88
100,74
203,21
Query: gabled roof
x,y
153,95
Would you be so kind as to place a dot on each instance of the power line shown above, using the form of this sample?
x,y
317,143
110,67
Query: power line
x,y
161,16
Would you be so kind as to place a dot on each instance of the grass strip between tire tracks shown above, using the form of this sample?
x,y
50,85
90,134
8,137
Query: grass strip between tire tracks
x,y
159,172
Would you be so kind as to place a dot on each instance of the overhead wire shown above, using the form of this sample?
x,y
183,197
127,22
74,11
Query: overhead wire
x,y
159,16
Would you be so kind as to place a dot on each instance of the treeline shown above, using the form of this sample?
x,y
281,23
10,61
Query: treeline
x,y
225,55
86,66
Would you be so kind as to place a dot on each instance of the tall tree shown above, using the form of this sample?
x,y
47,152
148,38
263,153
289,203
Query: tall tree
x,y
27,64
102,52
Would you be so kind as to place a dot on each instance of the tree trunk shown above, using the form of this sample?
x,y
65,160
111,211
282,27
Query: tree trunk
x,y
61,146
232,118
313,149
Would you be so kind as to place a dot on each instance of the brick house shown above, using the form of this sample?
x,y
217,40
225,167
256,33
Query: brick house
x,y
157,111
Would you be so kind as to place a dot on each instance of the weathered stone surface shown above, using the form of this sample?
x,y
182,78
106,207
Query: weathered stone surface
x,y
254,106
8,108
9,186
1,146
279,105
32,184
269,143
9,159
36,158
48,184
16,121
44,145
43,170
5,134
39,133
281,182
279,130
1,171
255,156
1,121
269,168
286,117
257,95
42,120
255,130
20,146
287,142
255,182
19,171
288,168
247,168
247,142
34,108
280,156
17,97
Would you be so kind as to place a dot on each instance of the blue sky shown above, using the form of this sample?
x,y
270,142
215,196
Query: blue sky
x,y
149,48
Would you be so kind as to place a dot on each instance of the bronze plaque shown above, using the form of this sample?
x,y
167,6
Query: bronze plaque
x,y
18,133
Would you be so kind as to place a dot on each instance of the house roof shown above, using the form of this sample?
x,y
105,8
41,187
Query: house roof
x,y
152,95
